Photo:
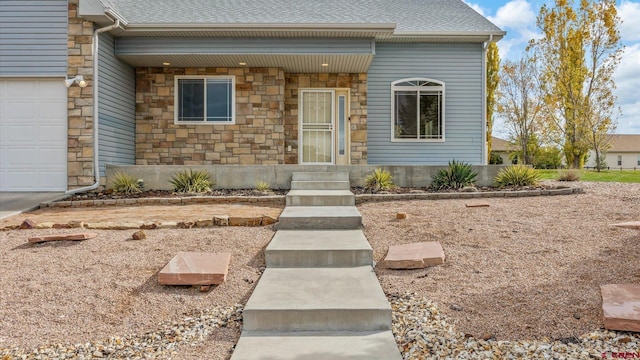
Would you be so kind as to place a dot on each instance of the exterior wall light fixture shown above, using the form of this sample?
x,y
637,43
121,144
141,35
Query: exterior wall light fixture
x,y
79,79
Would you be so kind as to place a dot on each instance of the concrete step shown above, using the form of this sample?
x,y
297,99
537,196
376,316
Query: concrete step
x,y
319,217
319,248
317,299
317,346
320,198
320,185
320,176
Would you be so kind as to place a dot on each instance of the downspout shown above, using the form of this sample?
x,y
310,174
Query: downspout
x,y
485,156
94,55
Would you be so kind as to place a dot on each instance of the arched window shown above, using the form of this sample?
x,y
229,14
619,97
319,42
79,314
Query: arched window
x,y
417,110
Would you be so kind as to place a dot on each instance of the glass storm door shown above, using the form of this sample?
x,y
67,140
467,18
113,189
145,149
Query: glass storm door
x,y
324,130
316,130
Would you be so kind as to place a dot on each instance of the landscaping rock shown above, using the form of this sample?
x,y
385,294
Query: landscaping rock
x,y
629,225
191,268
139,235
204,223
244,221
267,220
414,256
474,205
401,215
27,224
71,237
621,306
221,220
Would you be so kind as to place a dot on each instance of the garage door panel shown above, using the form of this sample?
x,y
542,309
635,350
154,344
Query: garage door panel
x,y
33,134
51,134
50,155
19,135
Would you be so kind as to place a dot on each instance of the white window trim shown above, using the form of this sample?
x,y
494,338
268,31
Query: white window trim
x,y
204,77
394,88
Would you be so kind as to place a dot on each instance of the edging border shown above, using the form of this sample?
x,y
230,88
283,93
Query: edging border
x,y
363,198
279,200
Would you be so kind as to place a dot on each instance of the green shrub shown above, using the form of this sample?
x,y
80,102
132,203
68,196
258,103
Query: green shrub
x,y
189,181
495,158
456,176
125,183
517,175
262,186
379,180
568,175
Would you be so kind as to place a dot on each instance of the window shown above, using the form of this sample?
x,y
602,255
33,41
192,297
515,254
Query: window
x,y
204,100
619,160
638,160
417,110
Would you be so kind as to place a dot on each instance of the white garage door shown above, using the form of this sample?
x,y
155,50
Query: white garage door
x,y
33,135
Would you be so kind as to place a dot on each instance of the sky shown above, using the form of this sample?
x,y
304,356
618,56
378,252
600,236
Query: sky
x,y
518,19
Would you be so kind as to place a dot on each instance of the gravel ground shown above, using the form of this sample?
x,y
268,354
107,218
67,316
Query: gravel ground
x,y
521,280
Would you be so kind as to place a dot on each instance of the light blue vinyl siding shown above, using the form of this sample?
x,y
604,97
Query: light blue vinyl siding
x,y
116,107
459,66
175,45
33,38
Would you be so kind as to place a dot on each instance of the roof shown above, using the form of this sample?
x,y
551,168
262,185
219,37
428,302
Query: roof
x,y
625,143
498,144
403,17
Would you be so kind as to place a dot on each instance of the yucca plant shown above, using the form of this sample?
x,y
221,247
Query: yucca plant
x,y
262,186
379,180
517,175
190,181
456,176
125,183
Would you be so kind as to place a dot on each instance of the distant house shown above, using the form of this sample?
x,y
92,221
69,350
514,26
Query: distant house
x,y
624,153
360,82
503,148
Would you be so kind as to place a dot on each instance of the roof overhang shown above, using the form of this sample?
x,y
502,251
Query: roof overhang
x,y
301,55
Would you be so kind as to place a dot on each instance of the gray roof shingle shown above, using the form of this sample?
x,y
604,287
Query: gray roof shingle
x,y
410,16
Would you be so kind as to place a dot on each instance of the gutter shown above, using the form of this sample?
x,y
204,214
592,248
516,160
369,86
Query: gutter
x,y
94,55
262,26
485,156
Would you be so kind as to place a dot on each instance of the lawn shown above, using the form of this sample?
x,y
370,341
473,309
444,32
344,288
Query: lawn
x,y
624,176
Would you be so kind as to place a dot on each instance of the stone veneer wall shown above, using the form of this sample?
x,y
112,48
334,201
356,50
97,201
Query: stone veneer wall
x,y
80,101
356,83
257,137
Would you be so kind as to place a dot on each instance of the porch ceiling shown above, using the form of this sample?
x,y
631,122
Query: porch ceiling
x,y
302,55
290,63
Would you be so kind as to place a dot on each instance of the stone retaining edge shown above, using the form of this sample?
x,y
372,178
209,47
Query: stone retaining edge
x,y
278,200
466,195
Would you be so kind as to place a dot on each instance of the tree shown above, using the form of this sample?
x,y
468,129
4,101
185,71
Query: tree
x,y
578,53
520,107
493,78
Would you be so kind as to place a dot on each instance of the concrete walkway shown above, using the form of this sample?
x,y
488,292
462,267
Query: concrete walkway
x,y
12,203
319,297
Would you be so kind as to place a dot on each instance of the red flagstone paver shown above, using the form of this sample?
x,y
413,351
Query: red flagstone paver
x,y
191,268
621,306
414,256
629,225
72,237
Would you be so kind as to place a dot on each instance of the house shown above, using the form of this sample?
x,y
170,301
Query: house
x,y
623,154
331,82
503,148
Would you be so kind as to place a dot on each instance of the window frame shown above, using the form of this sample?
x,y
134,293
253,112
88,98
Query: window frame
x,y
619,160
442,92
176,100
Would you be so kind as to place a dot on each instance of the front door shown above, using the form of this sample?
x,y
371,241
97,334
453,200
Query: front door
x,y
324,125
